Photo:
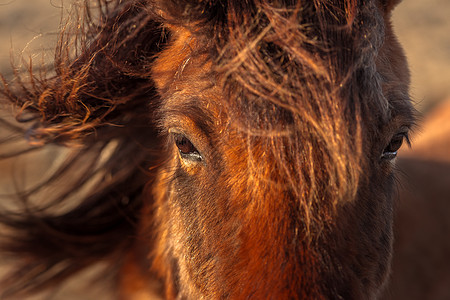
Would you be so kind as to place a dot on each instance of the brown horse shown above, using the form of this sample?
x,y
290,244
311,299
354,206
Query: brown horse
x,y
238,149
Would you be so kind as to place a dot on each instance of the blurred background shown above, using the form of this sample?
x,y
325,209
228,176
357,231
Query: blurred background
x,y
28,29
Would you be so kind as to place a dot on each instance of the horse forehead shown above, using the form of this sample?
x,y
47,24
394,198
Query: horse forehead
x,y
182,72
171,63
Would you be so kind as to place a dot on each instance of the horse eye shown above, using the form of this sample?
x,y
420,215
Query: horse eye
x,y
390,152
186,148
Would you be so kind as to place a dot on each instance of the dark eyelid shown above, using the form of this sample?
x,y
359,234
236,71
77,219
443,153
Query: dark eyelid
x,y
406,136
404,131
188,113
175,131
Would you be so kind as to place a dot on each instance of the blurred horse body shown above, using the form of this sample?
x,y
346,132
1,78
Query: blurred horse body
x,y
420,268
240,149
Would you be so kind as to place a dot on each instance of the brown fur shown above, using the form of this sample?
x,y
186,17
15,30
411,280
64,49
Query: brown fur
x,y
290,106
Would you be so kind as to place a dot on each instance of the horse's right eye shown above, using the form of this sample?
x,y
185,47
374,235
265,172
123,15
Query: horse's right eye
x,y
186,148
390,152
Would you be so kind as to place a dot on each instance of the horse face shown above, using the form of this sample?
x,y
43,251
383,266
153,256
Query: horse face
x,y
259,200
281,123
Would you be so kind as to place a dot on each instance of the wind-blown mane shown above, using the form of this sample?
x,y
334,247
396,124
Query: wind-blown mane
x,y
75,107
298,85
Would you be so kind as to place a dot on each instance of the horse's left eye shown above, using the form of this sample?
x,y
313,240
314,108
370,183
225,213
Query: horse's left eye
x,y
186,148
390,152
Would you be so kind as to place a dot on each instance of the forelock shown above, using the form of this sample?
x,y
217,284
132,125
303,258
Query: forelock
x,y
298,78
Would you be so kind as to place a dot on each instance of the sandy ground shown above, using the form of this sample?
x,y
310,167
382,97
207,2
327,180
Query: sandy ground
x,y
28,29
